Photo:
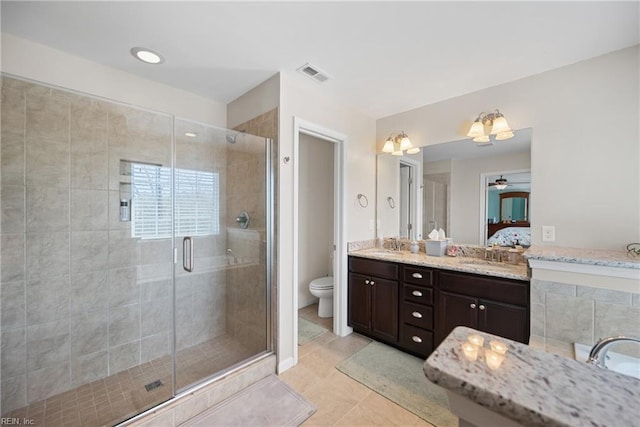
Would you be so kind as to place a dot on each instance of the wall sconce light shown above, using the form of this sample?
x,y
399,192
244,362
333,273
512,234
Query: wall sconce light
x,y
399,143
496,122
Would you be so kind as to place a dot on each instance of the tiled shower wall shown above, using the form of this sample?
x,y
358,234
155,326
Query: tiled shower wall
x,y
562,314
80,298
247,299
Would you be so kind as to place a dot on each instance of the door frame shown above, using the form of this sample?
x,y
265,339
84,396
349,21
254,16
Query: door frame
x,y
301,126
415,198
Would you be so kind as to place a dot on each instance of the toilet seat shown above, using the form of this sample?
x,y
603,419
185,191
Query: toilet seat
x,y
322,283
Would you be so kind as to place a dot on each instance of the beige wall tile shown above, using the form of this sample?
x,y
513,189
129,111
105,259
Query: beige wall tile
x,y
13,305
89,251
47,255
47,163
123,357
47,209
13,209
12,153
14,352
47,117
89,292
569,319
156,316
12,257
539,288
89,333
613,320
89,368
123,287
124,324
14,392
49,381
537,319
89,210
48,299
604,295
155,346
48,344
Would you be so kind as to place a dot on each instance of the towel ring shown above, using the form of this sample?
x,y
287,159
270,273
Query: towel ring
x,y
363,203
633,249
391,202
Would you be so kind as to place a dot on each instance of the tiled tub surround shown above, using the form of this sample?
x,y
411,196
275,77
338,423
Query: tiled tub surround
x,y
81,299
565,310
532,387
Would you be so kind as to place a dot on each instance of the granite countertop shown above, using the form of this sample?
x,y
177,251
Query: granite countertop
x,y
459,263
535,388
601,257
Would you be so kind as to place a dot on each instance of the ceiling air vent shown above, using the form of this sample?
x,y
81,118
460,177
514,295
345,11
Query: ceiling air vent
x,y
314,72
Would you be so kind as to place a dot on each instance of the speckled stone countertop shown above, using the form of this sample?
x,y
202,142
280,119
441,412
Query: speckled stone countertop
x,y
583,256
464,264
536,388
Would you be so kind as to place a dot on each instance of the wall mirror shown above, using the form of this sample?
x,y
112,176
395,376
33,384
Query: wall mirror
x,y
454,188
507,209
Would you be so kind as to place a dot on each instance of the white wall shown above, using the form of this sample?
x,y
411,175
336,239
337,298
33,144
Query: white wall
x,y
26,59
585,119
465,205
303,98
262,98
315,214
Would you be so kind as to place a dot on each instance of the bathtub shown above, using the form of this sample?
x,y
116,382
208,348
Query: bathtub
x,y
617,362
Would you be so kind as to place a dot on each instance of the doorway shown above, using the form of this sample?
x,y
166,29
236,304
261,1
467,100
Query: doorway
x,y
321,135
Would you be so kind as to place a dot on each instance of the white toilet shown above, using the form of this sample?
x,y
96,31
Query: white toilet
x,y
322,288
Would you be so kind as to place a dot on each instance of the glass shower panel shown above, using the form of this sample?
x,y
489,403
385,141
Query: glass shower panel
x,y
86,297
220,224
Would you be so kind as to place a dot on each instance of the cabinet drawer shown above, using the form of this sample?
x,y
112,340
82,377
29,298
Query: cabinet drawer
x,y
418,294
418,276
387,270
416,340
496,289
417,315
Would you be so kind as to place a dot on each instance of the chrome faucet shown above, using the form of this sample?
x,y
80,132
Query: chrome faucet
x,y
395,243
598,354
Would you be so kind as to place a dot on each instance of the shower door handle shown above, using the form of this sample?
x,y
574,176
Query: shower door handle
x,y
187,261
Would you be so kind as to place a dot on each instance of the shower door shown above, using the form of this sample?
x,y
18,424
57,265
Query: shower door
x,y
220,226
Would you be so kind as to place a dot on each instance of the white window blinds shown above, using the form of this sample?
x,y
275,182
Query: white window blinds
x,y
197,202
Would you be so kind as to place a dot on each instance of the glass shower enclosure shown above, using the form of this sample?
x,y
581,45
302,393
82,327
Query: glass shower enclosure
x,y
135,255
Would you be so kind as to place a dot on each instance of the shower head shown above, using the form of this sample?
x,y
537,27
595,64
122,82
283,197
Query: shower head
x,y
231,139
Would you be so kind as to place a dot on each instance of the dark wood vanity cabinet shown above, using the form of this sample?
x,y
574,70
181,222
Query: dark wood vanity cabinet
x,y
373,298
417,314
490,304
414,308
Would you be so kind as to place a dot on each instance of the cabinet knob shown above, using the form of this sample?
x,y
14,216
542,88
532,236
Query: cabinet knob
x,y
417,314
366,282
482,307
416,276
416,339
417,293
472,305
372,283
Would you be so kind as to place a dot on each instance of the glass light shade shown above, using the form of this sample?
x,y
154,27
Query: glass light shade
x,y
405,143
500,125
483,138
504,135
413,150
477,129
500,186
397,153
388,146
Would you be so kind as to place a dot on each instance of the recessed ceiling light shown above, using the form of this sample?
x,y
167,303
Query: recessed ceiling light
x,y
147,55
190,134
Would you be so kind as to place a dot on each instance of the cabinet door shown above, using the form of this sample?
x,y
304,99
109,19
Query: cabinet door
x,y
505,320
384,309
359,302
456,310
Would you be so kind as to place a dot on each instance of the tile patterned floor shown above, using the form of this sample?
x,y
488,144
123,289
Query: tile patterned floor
x,y
341,400
120,396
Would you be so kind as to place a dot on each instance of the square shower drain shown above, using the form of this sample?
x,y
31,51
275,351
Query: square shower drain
x,y
153,385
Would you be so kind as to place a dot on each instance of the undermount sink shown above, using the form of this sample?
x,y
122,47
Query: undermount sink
x,y
384,252
475,261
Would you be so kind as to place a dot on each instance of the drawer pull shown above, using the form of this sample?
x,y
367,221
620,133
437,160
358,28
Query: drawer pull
x,y
416,276
417,293
472,305
372,283
417,314
416,339
482,307
366,282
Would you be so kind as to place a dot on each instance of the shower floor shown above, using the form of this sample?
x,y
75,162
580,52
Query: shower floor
x,y
118,397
